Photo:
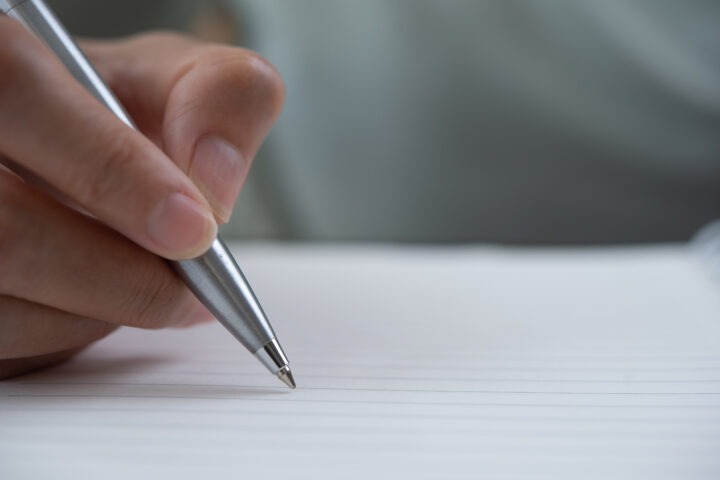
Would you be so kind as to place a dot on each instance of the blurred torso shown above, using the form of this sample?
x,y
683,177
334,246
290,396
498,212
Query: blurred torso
x,y
506,120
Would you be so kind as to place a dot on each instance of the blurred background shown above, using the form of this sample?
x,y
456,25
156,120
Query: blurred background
x,y
504,121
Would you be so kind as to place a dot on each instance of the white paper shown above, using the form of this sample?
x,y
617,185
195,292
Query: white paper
x,y
410,363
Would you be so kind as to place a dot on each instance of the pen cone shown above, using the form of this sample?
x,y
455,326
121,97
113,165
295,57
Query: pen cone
x,y
286,376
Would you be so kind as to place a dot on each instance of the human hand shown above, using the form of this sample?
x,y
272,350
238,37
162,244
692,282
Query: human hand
x,y
69,278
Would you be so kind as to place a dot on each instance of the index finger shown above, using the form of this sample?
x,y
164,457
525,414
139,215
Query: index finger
x,y
50,125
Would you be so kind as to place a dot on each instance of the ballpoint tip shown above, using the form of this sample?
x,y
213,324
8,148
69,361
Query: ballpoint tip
x,y
286,376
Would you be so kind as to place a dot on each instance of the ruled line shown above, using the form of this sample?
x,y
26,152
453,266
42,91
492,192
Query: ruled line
x,y
359,402
365,389
351,415
448,379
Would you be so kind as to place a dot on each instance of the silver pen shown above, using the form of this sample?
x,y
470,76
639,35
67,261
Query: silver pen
x,y
213,277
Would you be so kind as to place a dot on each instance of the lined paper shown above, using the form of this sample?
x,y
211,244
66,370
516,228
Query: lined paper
x,y
410,363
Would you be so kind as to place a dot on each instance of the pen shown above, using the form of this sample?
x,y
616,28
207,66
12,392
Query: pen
x,y
214,276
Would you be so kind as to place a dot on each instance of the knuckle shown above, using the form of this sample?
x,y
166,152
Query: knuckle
x,y
247,73
230,81
112,157
152,297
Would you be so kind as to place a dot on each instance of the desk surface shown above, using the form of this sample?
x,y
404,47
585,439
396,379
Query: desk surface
x,y
411,363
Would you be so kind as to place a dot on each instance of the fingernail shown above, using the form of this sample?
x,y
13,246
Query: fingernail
x,y
218,169
182,226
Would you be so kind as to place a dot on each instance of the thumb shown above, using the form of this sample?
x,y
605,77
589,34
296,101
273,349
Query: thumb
x,y
216,118
208,106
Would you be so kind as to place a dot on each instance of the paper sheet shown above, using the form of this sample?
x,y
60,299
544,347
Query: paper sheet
x,y
410,363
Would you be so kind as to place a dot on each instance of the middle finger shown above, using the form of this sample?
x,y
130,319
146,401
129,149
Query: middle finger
x,y
83,267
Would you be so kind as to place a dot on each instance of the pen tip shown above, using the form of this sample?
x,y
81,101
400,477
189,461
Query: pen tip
x,y
286,376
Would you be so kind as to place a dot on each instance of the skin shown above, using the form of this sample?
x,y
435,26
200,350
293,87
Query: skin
x,y
83,222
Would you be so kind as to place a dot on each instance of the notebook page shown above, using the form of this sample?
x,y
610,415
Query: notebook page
x,y
410,363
